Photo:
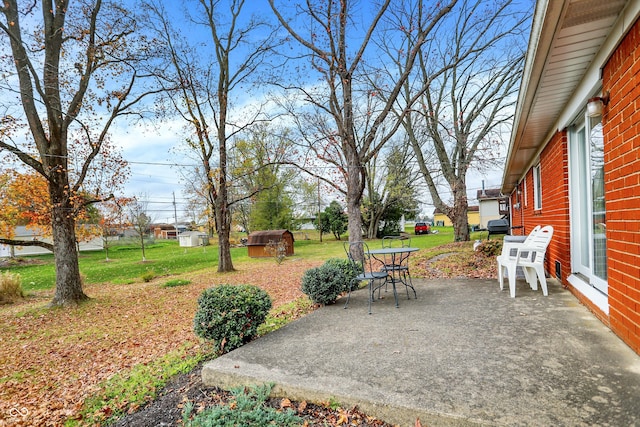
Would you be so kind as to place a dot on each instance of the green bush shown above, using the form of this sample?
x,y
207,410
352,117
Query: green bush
x,y
248,409
148,276
10,287
230,315
324,284
176,282
490,248
348,269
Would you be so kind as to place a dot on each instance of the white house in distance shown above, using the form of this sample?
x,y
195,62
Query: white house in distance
x,y
492,205
23,233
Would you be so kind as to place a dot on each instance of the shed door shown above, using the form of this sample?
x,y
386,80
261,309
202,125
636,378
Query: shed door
x,y
588,219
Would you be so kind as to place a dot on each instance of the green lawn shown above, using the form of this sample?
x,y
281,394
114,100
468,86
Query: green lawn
x,y
166,258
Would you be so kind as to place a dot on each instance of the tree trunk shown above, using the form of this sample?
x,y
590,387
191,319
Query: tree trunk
x,y
355,186
461,228
374,225
223,217
376,222
371,230
68,282
355,220
144,258
459,216
211,220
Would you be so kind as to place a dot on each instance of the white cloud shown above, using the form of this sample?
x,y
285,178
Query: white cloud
x,y
154,166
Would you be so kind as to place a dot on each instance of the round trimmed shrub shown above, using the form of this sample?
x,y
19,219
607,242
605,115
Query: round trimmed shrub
x,y
323,284
230,315
348,269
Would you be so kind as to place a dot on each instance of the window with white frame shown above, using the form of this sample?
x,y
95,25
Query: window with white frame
x,y
537,188
587,195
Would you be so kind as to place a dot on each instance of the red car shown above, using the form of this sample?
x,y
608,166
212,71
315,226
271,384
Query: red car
x,y
421,228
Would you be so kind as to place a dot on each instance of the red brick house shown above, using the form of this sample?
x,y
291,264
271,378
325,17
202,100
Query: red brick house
x,y
574,154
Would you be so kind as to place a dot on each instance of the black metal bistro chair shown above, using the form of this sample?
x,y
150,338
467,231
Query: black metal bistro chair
x,y
358,255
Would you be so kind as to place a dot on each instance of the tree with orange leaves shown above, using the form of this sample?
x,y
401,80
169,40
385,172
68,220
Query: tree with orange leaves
x,y
25,201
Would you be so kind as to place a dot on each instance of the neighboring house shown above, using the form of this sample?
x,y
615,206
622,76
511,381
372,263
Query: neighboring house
x,y
23,233
492,205
440,219
574,156
258,240
193,238
167,231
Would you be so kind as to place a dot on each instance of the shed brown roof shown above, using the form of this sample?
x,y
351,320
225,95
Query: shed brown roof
x,y
263,237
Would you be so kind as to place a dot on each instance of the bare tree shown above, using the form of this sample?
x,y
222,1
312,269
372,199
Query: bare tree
x,y
205,90
139,219
112,219
471,72
73,69
337,126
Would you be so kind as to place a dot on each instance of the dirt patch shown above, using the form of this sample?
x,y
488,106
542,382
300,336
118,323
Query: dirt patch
x,y
15,262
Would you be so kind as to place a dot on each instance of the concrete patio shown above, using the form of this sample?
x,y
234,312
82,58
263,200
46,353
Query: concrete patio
x,y
464,353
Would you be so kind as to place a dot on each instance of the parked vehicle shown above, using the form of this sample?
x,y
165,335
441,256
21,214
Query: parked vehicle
x,y
421,228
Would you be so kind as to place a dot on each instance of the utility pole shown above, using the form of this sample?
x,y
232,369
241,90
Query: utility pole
x,y
175,214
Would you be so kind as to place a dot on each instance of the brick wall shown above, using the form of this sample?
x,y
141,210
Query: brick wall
x,y
621,122
554,172
555,203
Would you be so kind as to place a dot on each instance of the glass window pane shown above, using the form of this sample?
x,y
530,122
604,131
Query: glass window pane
x,y
583,212
599,222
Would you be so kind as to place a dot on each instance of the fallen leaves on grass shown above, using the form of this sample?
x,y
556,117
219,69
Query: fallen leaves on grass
x,y
453,261
51,360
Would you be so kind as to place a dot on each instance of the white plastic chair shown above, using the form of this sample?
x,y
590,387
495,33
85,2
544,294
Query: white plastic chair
x,y
509,248
530,256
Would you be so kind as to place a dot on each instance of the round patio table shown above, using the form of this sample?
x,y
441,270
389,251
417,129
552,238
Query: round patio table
x,y
398,259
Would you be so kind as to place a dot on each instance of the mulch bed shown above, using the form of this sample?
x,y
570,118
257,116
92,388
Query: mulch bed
x,y
166,410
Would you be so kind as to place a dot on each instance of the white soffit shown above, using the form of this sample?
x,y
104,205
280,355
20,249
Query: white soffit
x,y
564,43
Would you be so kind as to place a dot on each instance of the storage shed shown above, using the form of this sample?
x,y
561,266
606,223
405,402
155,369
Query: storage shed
x,y
258,241
193,238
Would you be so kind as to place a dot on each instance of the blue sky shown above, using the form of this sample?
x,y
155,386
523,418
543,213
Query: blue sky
x,y
149,151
